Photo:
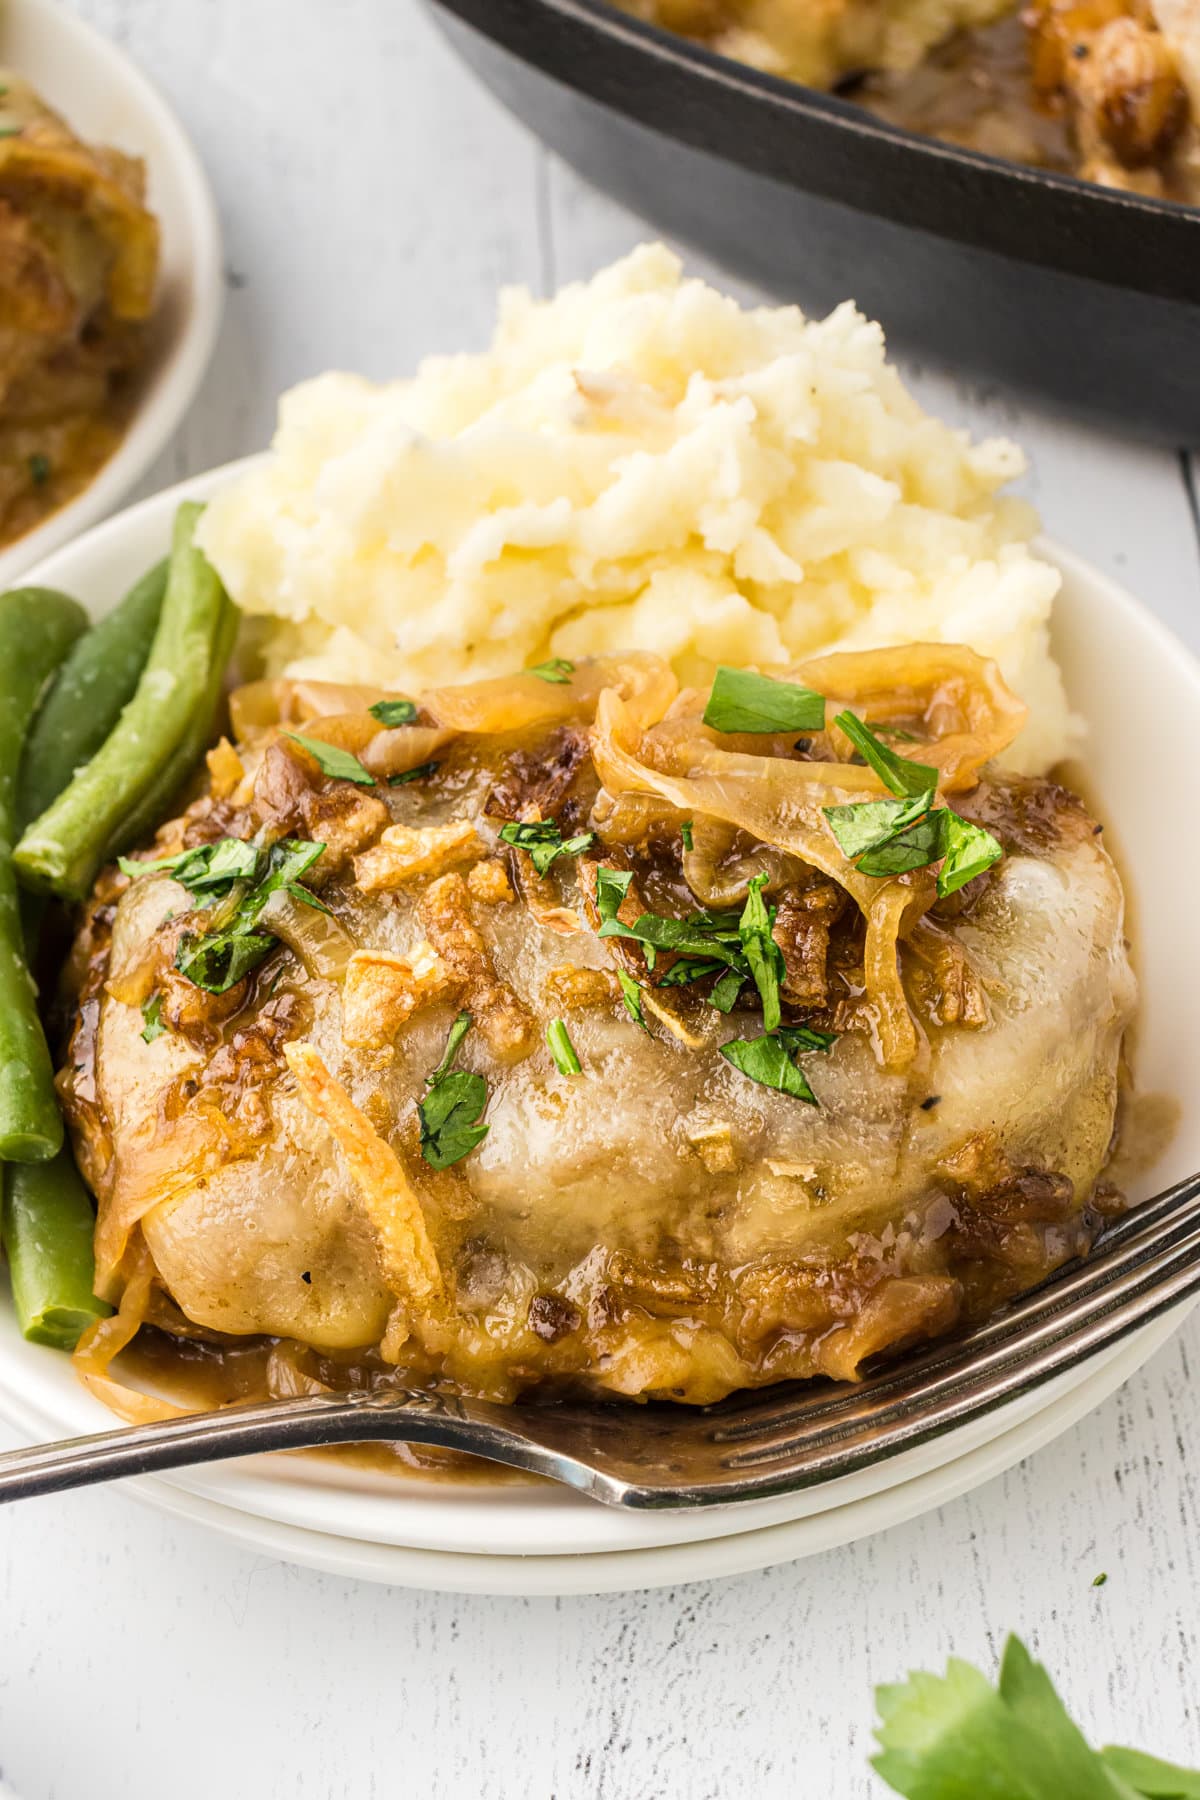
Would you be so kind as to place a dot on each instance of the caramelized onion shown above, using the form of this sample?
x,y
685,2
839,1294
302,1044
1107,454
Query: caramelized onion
x,y
323,945
960,696
106,1339
260,706
755,786
513,702
399,748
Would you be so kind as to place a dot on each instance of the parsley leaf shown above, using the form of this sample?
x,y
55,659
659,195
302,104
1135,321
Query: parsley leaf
x,y
768,1060
152,1015
449,1117
725,992
220,959
685,971
897,774
458,1031
1150,1776
558,1039
208,869
761,951
407,775
544,842
687,937
339,765
394,712
743,701
968,851
806,1037
631,993
685,832
915,848
954,1737
450,1111
612,885
890,837
866,824
557,670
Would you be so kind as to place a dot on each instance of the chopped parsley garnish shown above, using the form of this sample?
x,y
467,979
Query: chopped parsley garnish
x,y
451,1109
685,832
208,870
558,1039
1099,1580
612,885
945,1736
892,837
869,824
407,775
152,1016
558,670
686,937
221,958
743,701
725,992
968,850
631,993
545,842
39,465
897,848
394,712
458,1031
915,848
338,764
762,953
705,943
897,773
769,1059
685,971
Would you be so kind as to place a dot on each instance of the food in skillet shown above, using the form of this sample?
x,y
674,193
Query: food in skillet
x,y
570,1029
1107,89
78,264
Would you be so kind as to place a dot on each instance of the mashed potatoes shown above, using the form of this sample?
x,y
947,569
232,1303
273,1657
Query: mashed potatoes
x,y
640,464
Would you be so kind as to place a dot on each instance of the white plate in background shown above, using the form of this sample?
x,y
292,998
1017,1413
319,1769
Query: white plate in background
x,y
106,100
1139,692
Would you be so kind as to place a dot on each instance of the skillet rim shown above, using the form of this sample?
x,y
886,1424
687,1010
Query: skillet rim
x,y
800,137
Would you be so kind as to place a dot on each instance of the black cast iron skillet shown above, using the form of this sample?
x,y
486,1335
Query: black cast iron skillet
x,y
1050,284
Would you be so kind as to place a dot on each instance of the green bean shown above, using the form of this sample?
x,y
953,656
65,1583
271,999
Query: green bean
x,y
37,628
154,805
62,850
99,676
48,1225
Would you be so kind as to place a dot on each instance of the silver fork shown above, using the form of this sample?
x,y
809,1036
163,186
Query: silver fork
x,y
660,1456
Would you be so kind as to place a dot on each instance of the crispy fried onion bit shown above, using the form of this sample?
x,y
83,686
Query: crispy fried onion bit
x,y
406,1254
963,700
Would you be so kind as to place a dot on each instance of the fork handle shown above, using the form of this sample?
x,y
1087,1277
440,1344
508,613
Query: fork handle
x,y
250,1428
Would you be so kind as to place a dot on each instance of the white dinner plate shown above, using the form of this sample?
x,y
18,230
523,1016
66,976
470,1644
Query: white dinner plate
x,y
669,1565
107,100
1139,691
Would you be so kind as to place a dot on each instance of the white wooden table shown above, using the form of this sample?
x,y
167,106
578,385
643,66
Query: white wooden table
x,y
373,199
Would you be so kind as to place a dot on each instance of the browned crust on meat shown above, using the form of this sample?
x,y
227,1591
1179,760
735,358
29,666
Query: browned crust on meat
x,y
505,1023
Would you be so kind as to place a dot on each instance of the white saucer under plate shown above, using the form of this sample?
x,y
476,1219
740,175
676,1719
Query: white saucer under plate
x,y
106,99
1139,691
628,1570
